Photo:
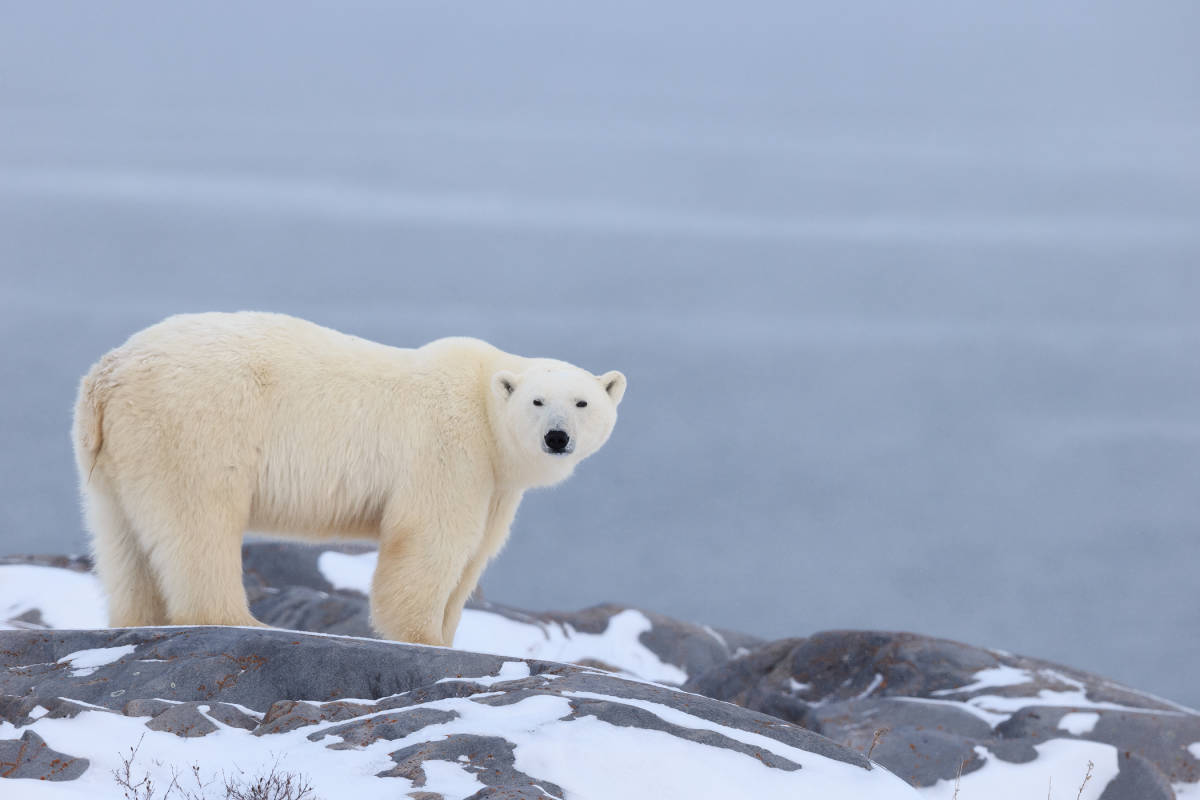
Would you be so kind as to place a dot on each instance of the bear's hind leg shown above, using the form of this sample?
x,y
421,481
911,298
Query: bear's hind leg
x,y
134,598
196,551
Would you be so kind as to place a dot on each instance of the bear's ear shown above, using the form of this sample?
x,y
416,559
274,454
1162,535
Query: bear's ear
x,y
504,383
613,383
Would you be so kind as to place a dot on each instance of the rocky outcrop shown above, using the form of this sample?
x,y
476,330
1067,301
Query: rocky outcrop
x,y
933,708
321,589
350,712
940,715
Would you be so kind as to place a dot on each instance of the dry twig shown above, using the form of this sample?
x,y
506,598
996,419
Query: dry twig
x,y
879,734
1086,778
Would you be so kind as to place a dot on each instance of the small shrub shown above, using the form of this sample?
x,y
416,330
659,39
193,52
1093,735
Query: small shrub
x,y
274,784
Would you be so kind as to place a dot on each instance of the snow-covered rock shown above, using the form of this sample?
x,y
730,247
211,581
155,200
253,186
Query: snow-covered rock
x,y
367,718
310,588
1012,725
941,715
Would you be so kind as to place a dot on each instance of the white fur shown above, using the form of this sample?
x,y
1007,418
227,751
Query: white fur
x,y
206,425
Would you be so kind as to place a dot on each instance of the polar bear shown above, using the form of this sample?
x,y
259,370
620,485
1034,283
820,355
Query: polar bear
x,y
206,425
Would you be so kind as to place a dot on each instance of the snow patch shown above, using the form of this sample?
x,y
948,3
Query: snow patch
x,y
1059,768
347,571
1078,723
991,678
876,682
618,645
1007,706
995,709
453,782
992,719
1186,791
104,738
713,633
1061,678
65,598
674,716
85,662
591,758
509,671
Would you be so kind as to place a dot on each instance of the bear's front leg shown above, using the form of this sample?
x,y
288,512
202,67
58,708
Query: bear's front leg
x,y
500,518
419,566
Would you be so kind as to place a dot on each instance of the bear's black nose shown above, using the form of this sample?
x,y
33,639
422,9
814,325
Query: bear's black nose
x,y
557,441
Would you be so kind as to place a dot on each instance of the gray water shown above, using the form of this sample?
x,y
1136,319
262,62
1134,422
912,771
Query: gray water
x,y
907,299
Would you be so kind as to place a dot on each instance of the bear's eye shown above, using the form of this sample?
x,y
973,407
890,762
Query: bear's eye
x,y
581,404
537,402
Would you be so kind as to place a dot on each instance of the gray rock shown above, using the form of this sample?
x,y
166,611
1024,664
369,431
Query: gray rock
x,y
280,565
182,719
288,715
287,589
934,701
490,758
146,708
232,716
926,708
74,563
626,716
29,757
226,664
693,648
396,725
357,693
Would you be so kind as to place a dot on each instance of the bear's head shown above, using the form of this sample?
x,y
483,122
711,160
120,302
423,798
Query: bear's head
x,y
552,416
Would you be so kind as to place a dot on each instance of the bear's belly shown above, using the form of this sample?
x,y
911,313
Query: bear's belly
x,y
319,522
320,502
